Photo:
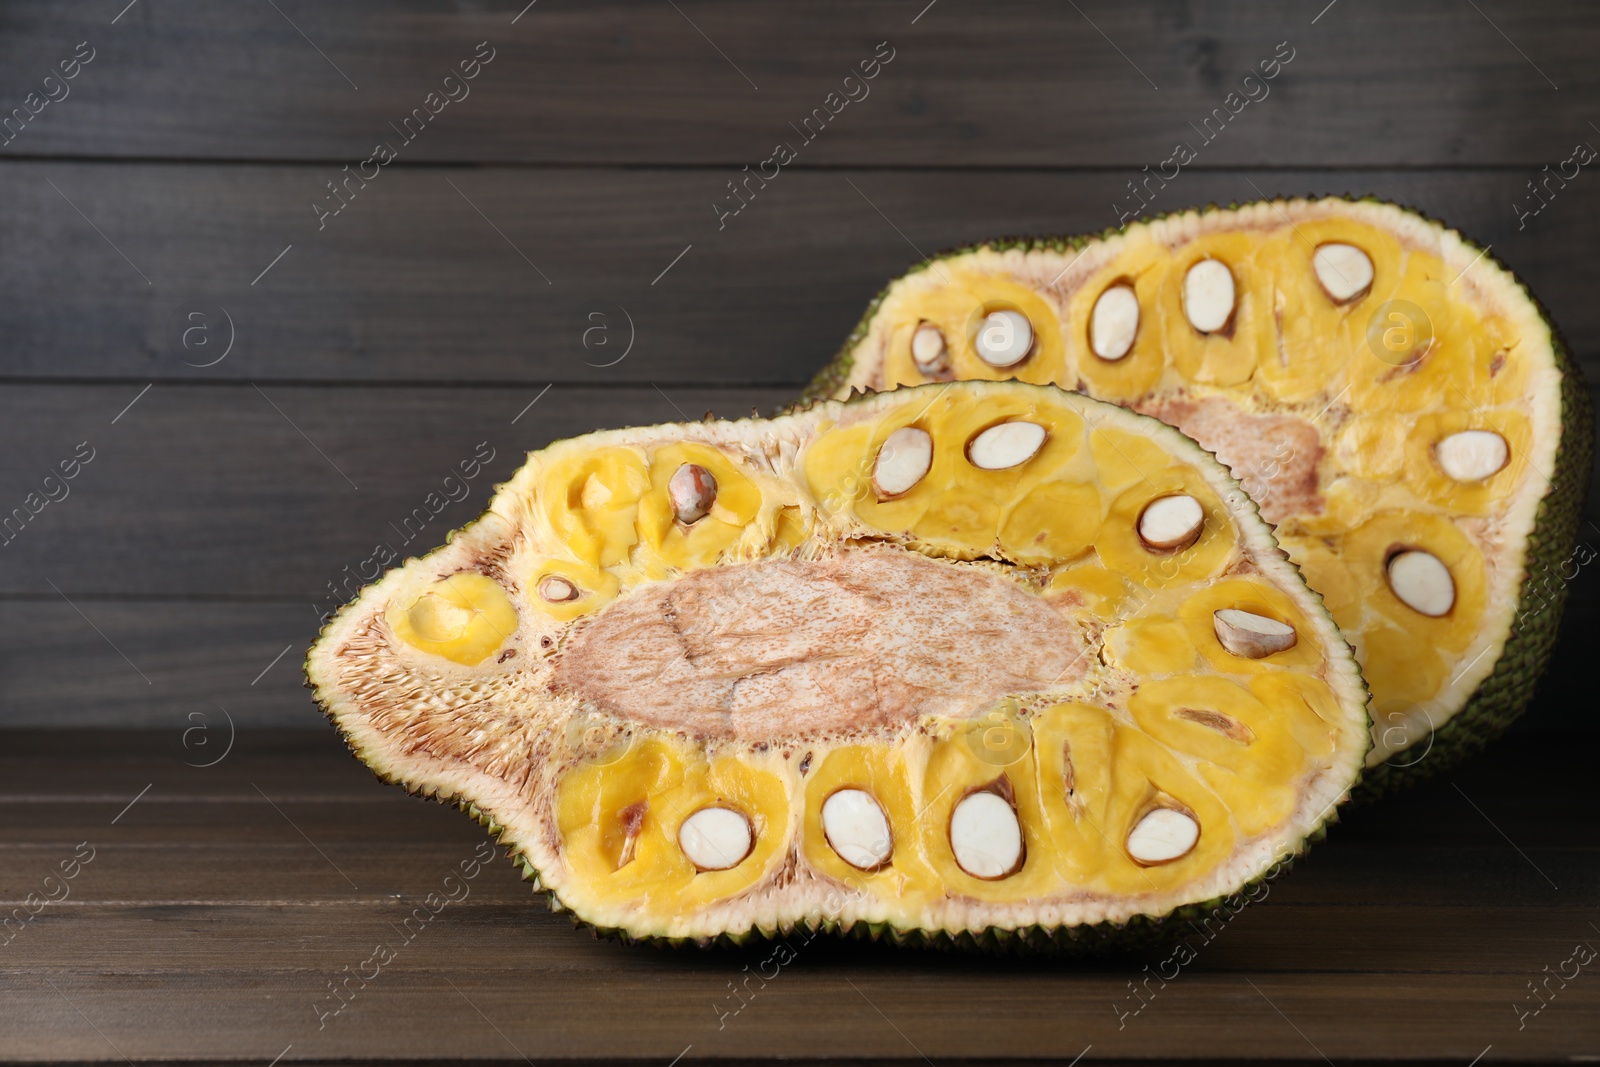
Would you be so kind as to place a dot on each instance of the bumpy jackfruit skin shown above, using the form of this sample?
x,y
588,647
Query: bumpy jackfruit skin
x,y
751,618
1485,688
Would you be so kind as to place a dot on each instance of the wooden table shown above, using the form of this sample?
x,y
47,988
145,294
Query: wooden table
x,y
220,903
268,389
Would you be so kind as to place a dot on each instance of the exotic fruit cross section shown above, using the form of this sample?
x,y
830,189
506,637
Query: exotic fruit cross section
x,y
1391,396
972,661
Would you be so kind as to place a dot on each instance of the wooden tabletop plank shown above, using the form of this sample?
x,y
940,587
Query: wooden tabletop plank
x,y
521,941
721,82
432,1003
503,275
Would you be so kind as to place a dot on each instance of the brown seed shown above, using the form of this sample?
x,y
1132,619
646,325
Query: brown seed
x,y
556,589
1162,835
928,350
692,490
1252,636
1171,523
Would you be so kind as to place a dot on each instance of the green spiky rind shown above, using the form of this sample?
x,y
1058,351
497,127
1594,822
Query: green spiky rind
x,y
1506,693
1139,932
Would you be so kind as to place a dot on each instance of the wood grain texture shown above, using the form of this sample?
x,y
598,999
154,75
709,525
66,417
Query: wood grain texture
x,y
218,907
1008,84
563,268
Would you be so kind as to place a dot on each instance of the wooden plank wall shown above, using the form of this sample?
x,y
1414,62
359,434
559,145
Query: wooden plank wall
x,y
267,389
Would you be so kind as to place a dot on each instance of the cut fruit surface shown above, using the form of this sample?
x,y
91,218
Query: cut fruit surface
x,y
1391,396
952,710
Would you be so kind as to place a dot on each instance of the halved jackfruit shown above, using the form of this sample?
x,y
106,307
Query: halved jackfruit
x,y
1390,395
968,661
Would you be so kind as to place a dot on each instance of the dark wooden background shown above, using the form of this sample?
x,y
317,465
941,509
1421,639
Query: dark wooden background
x,y
560,215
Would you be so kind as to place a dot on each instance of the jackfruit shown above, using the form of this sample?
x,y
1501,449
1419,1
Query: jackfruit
x,y
1391,396
974,662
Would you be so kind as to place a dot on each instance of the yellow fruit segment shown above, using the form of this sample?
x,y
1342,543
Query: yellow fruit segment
x,y
1143,269
591,588
1226,356
989,754
463,618
959,314
1046,507
671,544
879,772
1475,496
592,503
1122,549
1198,614
648,795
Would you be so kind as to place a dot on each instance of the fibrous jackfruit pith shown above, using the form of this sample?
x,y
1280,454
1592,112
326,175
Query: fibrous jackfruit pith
x,y
1389,394
947,662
